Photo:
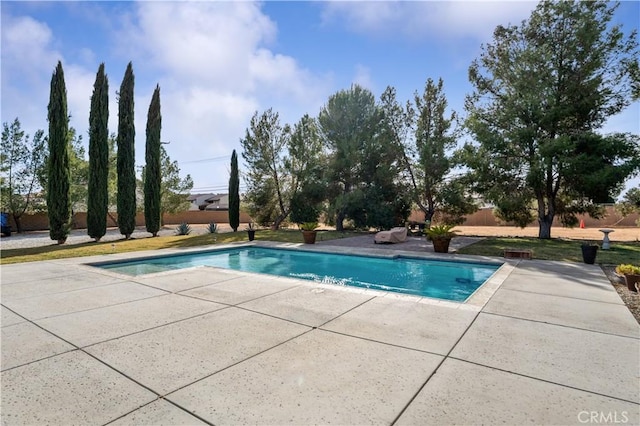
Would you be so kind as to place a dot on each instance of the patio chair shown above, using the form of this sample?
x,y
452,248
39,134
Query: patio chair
x,y
392,236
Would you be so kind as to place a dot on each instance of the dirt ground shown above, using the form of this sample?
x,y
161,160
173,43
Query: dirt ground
x,y
619,234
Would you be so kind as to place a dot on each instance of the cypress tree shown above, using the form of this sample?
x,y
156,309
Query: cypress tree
x,y
97,196
126,201
152,175
234,194
58,177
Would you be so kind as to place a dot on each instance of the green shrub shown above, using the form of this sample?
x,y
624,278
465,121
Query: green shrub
x,y
309,226
212,228
440,232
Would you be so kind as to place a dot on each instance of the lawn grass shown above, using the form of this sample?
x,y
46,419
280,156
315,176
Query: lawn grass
x,y
556,249
553,249
54,251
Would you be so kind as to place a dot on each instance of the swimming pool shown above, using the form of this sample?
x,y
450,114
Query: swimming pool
x,y
450,280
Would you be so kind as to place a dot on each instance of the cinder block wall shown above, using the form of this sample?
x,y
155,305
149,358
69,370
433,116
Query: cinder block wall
x,y
40,221
483,217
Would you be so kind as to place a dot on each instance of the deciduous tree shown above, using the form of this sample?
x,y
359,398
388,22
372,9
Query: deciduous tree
x,y
174,189
20,160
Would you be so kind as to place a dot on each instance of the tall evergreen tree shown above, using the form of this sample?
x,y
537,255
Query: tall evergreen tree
x,y
152,174
363,162
422,131
97,197
542,91
234,193
268,181
58,182
126,156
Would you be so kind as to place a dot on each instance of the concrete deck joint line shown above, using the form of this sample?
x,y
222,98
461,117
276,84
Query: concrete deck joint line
x,y
155,327
168,395
566,297
545,381
413,398
555,324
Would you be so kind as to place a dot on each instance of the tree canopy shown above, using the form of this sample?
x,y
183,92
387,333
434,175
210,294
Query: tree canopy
x,y
268,184
363,163
542,90
21,158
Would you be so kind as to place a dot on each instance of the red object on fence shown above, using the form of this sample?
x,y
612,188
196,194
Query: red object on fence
x,y
581,223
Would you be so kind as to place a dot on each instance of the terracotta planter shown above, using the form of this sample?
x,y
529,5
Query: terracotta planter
x,y
441,245
631,281
309,237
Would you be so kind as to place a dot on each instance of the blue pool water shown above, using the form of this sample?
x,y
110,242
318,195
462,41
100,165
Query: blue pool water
x,y
432,278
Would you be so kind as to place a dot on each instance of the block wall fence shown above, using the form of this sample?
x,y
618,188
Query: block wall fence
x,y
40,221
483,217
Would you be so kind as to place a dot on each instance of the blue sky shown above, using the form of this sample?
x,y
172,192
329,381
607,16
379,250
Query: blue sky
x,y
219,62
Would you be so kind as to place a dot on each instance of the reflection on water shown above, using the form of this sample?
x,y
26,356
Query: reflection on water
x,y
431,278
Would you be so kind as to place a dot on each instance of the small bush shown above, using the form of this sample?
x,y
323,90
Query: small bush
x,y
627,269
212,228
309,226
183,229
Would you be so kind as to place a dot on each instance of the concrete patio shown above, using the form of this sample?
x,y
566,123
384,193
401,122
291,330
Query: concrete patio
x,y
542,343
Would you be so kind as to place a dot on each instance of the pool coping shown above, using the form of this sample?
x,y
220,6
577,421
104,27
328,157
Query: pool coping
x,y
476,301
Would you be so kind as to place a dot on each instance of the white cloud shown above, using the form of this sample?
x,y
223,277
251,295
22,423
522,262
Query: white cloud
x,y
213,62
28,60
215,71
422,19
363,78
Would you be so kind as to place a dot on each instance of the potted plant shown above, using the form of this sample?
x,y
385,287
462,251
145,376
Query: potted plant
x,y
309,232
251,231
589,251
440,236
305,211
631,274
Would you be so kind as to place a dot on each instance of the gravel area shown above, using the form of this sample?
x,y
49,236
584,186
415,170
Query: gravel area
x,y
630,298
79,236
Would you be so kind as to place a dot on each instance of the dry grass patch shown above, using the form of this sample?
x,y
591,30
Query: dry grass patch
x,y
55,251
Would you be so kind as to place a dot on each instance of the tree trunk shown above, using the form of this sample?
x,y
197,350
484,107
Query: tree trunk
x,y
544,232
277,223
428,215
339,220
18,222
546,213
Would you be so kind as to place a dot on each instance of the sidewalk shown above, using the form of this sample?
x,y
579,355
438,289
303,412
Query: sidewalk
x,y
80,345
